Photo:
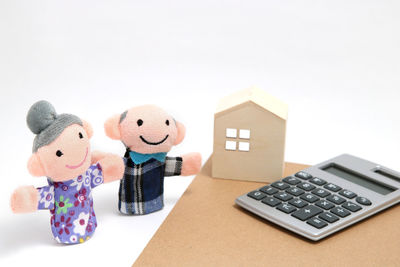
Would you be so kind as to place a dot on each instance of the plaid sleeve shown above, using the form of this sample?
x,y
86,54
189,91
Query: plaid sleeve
x,y
173,166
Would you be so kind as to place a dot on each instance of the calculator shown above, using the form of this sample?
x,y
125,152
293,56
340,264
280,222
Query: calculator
x,y
323,199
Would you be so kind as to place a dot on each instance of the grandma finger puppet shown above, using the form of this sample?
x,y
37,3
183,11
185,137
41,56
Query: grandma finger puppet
x,y
148,133
61,151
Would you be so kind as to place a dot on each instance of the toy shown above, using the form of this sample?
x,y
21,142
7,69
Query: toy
x,y
61,151
249,137
148,133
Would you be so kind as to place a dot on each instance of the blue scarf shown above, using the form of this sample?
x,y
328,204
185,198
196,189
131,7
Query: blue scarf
x,y
139,158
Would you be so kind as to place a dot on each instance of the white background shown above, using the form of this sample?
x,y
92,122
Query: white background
x,y
336,64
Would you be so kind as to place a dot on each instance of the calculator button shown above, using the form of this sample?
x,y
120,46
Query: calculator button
x,y
291,180
283,196
324,204
256,195
286,208
298,203
320,192
271,201
268,190
317,223
306,213
317,181
332,187
280,185
310,198
351,206
336,199
306,186
363,201
339,211
295,191
303,175
329,217
347,193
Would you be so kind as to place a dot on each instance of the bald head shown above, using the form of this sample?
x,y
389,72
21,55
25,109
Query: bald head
x,y
145,129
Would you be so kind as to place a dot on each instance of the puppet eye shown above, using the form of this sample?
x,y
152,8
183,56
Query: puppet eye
x,y
139,122
59,153
167,122
80,135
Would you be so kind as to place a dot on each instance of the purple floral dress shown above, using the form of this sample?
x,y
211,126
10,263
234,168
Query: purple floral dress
x,y
71,206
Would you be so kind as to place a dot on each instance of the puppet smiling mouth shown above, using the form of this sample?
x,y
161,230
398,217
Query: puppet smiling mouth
x,y
80,164
156,143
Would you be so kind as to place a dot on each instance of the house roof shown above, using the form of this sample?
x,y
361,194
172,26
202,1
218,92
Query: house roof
x,y
252,95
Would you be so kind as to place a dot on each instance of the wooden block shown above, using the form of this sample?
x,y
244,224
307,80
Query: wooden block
x,y
249,137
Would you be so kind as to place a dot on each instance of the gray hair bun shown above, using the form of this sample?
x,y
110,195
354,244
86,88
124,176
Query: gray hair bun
x,y
40,116
44,121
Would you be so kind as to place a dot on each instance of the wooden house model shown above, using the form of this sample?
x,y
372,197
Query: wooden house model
x,y
249,137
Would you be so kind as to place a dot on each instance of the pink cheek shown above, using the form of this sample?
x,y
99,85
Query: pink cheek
x,y
55,167
172,137
137,143
130,137
69,160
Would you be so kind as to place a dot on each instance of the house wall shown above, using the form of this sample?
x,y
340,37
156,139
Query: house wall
x,y
265,160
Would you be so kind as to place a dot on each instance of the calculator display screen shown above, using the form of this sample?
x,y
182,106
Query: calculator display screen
x,y
358,179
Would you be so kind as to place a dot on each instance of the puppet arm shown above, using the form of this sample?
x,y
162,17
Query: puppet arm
x,y
24,199
29,199
188,164
112,167
191,163
97,156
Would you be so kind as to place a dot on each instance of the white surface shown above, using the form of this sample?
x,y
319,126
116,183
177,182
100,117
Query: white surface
x,y
230,145
244,146
335,63
231,133
244,134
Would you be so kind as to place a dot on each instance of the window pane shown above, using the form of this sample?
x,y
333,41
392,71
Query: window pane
x,y
244,146
232,133
244,134
230,145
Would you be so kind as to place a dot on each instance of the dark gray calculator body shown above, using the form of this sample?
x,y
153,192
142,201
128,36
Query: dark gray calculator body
x,y
326,197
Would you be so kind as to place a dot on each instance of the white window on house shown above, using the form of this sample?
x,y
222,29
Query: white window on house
x,y
231,133
230,145
244,146
237,144
244,134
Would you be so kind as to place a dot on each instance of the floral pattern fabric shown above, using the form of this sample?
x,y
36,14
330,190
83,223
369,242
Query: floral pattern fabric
x,y
71,206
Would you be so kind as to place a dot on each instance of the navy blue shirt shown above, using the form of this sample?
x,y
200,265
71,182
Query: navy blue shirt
x,y
142,187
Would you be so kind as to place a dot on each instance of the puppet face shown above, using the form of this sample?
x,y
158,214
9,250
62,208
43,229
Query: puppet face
x,y
149,129
66,157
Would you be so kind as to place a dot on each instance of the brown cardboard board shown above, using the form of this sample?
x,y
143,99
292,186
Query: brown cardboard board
x,y
206,228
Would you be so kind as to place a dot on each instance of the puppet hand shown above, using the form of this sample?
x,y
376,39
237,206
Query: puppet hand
x,y
191,163
113,167
97,156
24,199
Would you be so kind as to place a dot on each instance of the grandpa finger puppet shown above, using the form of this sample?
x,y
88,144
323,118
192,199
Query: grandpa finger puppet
x,y
61,151
148,133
